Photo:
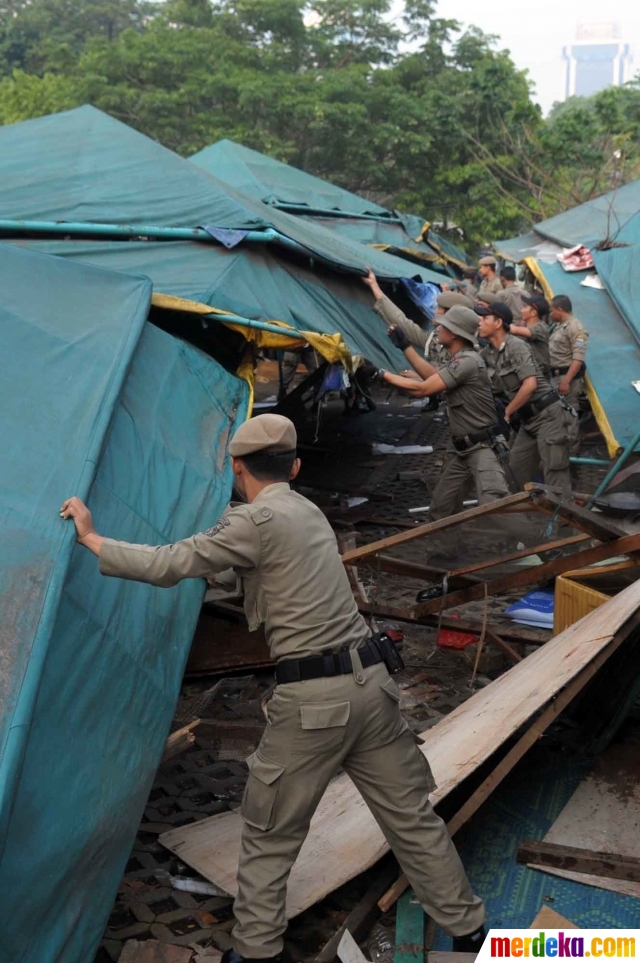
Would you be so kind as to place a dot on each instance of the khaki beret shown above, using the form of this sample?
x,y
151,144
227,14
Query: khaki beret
x,y
488,297
488,260
448,299
264,433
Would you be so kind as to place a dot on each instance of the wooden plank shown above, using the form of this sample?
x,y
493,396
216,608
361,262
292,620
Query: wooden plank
x,y
521,553
604,814
400,566
548,918
362,916
531,576
503,646
508,630
521,747
440,525
410,919
179,741
595,523
579,860
344,838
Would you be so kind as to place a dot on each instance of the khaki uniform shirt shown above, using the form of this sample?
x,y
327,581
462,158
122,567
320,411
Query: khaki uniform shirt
x,y
510,364
538,344
512,297
285,551
567,342
469,397
494,286
392,315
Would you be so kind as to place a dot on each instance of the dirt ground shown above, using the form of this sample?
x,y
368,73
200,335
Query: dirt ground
x,y
338,463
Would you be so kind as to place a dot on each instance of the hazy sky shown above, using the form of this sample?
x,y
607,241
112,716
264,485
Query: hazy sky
x,y
536,32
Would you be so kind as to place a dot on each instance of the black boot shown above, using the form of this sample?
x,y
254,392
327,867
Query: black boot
x,y
470,943
230,956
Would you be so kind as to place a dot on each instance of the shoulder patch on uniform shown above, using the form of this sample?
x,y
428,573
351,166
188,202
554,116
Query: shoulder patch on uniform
x,y
217,528
580,342
261,515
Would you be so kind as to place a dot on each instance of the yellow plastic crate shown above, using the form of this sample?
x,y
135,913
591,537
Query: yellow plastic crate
x,y
581,591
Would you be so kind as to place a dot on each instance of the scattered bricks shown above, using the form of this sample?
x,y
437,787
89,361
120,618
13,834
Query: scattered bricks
x,y
141,912
153,952
127,932
161,932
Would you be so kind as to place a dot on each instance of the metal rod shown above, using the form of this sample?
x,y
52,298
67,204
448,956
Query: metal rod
x,y
328,212
90,229
604,462
613,471
250,323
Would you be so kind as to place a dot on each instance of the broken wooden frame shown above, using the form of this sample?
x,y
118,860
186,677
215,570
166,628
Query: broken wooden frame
x,y
463,584
576,860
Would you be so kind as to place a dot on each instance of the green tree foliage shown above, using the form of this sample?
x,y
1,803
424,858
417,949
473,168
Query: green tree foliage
x,y
407,111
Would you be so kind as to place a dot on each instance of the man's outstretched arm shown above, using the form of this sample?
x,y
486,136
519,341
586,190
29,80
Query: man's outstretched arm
x,y
234,542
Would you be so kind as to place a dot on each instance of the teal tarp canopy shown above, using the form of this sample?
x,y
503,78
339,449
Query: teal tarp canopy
x,y
254,283
613,355
612,316
82,165
274,182
265,179
98,403
614,216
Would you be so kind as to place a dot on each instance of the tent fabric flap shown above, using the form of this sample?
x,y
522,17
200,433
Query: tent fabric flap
x,y
97,403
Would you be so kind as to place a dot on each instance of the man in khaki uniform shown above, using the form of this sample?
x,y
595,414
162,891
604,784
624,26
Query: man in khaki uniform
x,y
543,436
470,408
512,294
567,354
335,704
535,330
391,314
491,283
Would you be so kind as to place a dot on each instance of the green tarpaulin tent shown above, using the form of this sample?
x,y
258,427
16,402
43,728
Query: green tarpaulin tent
x,y
288,188
610,226
83,165
94,401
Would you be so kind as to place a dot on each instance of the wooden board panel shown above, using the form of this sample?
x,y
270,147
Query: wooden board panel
x,y
344,839
604,814
548,917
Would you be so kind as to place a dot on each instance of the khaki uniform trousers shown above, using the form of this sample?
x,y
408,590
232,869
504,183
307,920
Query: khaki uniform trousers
x,y
573,398
315,728
488,475
544,443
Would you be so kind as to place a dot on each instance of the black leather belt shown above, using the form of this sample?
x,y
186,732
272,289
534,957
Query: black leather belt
x,y
464,442
558,371
527,412
327,664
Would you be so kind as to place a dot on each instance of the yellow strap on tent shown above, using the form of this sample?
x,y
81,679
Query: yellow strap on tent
x,y
245,371
411,252
613,445
537,272
330,346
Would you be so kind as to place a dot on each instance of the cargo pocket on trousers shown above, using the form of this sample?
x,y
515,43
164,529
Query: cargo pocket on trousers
x,y
323,725
424,763
392,690
260,792
396,724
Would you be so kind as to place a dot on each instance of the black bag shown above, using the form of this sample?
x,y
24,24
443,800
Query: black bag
x,y
387,649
